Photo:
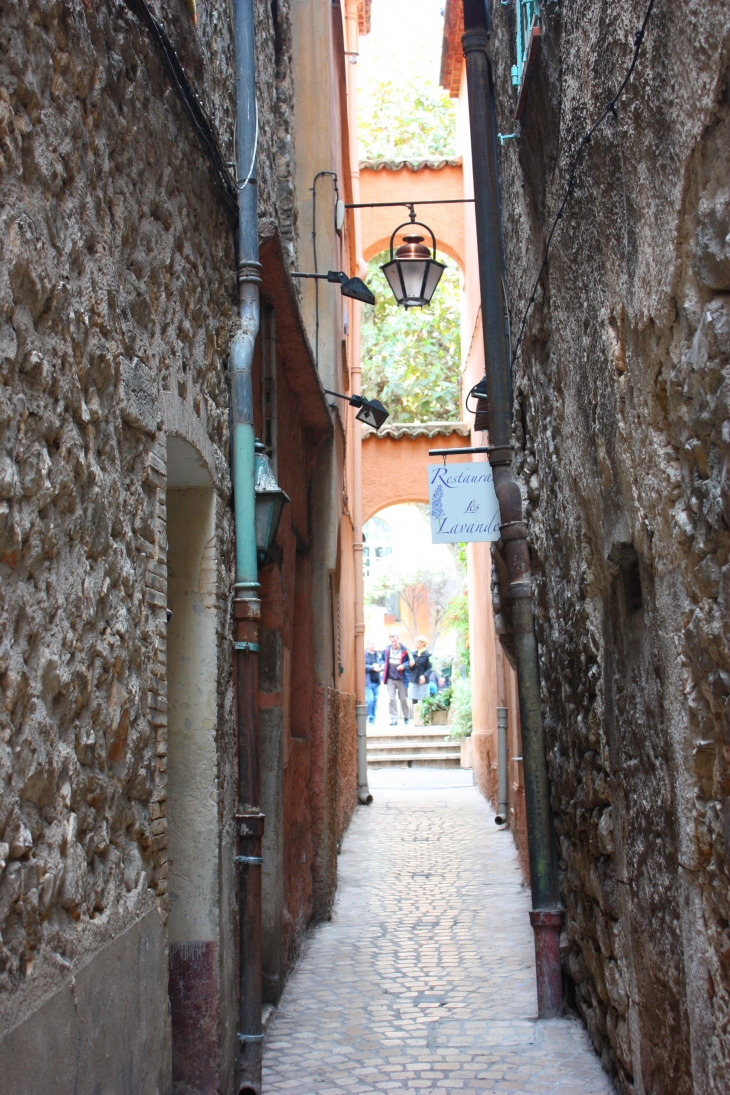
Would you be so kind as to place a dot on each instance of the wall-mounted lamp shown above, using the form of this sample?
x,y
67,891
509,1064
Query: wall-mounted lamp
x,y
413,272
270,501
349,287
372,412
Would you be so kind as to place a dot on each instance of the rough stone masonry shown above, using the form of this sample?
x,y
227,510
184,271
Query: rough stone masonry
x,y
117,300
622,420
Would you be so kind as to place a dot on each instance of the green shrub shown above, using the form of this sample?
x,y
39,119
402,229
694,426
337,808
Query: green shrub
x,y
461,724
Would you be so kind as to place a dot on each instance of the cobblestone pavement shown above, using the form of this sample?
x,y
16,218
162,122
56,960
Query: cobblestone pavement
x,y
424,978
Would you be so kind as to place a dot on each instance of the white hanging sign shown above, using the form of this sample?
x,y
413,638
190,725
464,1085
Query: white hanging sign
x,y
464,506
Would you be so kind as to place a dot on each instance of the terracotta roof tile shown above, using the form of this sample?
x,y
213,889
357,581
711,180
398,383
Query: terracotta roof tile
x,y
394,430
412,165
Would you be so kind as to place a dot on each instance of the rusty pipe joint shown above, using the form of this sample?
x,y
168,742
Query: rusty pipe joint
x,y
547,924
508,491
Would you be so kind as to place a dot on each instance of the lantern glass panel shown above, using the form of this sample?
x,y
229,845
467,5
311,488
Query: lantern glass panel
x,y
264,514
412,272
433,278
269,506
392,273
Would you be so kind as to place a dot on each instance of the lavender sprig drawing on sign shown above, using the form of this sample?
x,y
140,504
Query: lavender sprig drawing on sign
x,y
437,509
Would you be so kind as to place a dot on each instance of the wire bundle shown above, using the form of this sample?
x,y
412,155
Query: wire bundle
x,y
192,104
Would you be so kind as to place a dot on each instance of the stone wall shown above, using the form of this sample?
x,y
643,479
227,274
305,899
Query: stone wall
x,y
622,420
117,306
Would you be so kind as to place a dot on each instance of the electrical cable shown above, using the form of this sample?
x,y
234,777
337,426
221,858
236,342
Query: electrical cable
x,y
242,185
192,104
610,108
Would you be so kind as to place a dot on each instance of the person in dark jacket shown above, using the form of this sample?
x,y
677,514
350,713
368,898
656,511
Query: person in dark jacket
x,y
419,664
395,658
373,666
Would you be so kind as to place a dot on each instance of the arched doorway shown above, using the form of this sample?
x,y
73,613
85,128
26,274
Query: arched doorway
x,y
192,790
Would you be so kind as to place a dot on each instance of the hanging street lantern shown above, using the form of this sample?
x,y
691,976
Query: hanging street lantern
x,y
413,271
270,500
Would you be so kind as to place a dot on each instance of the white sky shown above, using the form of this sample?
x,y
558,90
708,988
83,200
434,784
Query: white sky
x,y
405,39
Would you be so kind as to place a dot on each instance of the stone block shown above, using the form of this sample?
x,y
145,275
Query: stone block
x,y
138,401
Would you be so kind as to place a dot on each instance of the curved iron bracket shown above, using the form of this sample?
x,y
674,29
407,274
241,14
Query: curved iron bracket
x,y
409,224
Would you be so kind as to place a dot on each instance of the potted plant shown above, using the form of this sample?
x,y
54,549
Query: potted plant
x,y
434,710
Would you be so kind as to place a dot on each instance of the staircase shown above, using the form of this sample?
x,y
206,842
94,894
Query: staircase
x,y
411,747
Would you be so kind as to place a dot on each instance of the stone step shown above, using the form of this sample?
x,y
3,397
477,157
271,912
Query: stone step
x,y
411,729
387,745
419,760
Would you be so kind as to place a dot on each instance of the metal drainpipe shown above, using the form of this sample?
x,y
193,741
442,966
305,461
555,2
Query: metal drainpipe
x,y
502,800
246,603
546,916
363,791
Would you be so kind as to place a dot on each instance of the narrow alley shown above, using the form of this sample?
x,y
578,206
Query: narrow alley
x,y
424,978
364,481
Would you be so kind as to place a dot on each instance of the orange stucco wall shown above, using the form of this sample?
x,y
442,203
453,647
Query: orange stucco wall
x,y
394,469
407,184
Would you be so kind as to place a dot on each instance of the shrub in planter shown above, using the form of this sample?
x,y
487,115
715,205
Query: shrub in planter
x,y
431,704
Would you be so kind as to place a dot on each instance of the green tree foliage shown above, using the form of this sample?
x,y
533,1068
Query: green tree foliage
x,y
403,112
411,359
456,618
419,591
405,120
461,714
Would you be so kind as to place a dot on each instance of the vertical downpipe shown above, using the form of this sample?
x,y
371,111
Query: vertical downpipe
x,y
502,801
363,791
546,916
246,603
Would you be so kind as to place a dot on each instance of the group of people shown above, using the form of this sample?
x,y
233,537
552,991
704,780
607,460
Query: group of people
x,y
408,676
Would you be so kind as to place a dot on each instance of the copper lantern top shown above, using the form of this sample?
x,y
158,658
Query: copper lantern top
x,y
413,248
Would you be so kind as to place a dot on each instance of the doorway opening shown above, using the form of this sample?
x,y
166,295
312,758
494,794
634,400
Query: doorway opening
x,y
192,812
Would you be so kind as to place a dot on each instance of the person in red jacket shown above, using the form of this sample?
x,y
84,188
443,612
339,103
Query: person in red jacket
x,y
395,675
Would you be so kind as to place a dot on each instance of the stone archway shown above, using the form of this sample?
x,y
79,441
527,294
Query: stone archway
x,y
403,447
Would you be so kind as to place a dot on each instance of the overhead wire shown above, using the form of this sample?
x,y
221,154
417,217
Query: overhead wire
x,y
609,109
242,185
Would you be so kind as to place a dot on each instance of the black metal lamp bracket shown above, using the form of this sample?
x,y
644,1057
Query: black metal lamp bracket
x,y
408,224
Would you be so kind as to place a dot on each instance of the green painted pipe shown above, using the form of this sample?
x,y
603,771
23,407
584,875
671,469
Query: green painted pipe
x,y
244,497
249,279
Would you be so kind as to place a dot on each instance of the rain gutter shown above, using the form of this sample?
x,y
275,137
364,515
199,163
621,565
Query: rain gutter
x,y
246,603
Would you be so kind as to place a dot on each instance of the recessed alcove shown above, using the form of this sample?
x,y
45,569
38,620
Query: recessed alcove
x,y
192,812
